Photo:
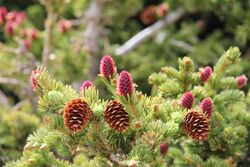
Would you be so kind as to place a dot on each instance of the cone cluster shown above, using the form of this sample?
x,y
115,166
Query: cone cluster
x,y
196,125
77,114
116,116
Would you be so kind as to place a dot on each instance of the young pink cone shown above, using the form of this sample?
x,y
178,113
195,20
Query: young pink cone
x,y
27,44
11,16
241,81
187,100
20,17
10,28
205,74
107,66
33,75
64,26
125,84
86,84
164,147
3,14
207,106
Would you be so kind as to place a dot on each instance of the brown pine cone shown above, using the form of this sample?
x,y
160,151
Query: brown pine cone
x,y
149,15
116,116
197,125
77,114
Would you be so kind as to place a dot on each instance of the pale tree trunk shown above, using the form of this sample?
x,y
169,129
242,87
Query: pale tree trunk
x,y
92,36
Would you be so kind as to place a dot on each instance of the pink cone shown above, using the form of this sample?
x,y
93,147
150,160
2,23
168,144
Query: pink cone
x,y
205,74
125,84
32,79
241,81
9,28
107,66
86,84
207,106
187,100
164,147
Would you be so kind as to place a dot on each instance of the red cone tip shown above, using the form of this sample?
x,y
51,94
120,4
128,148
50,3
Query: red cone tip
x,y
241,81
107,66
125,84
164,147
205,74
3,14
86,84
32,78
207,106
187,100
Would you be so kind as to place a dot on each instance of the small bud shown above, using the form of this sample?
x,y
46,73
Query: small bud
x,y
3,14
156,108
205,74
11,16
27,146
107,66
32,161
137,125
164,147
114,82
125,84
20,17
86,84
33,34
9,28
27,44
187,100
207,106
44,147
34,75
241,81
149,15
138,95
162,10
132,163
64,26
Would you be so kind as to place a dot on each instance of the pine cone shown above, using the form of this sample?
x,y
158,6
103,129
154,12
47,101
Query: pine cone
x,y
76,114
241,81
116,116
187,100
86,84
196,125
149,15
125,84
107,66
207,106
164,147
205,74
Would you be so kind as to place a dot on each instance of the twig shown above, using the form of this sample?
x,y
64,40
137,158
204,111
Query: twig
x,y
182,44
77,22
3,99
48,34
149,31
12,81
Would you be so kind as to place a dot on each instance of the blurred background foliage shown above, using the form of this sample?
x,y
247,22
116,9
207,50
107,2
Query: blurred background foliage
x,y
208,28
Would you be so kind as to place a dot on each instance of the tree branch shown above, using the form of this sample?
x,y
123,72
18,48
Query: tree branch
x,y
92,35
148,32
